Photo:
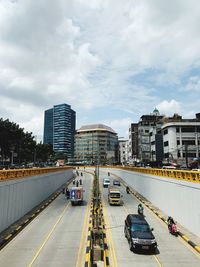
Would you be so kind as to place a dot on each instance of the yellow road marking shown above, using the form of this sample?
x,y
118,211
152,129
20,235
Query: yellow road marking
x,y
83,236
185,238
197,248
111,246
48,236
157,261
184,242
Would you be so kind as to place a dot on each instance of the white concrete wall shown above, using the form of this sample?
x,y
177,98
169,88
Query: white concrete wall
x,y
18,197
179,199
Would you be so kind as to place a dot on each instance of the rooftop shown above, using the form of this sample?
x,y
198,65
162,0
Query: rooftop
x,y
96,127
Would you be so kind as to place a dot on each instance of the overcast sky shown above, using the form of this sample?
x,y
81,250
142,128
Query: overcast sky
x,y
111,60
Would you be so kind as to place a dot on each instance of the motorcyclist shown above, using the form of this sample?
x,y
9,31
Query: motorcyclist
x,y
170,221
140,209
67,193
127,190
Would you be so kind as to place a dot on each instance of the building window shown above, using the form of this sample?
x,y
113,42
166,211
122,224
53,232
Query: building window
x,y
188,142
166,131
166,143
190,155
188,129
178,142
177,129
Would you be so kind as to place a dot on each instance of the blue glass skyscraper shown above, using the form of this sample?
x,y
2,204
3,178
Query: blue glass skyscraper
x,y
59,129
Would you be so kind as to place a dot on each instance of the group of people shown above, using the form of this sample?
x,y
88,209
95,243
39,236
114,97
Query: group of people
x,y
77,182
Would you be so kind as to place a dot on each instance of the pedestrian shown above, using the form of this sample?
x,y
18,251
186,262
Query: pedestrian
x,y
80,181
67,193
73,182
77,183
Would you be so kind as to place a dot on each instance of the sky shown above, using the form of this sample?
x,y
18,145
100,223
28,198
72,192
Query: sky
x,y
111,60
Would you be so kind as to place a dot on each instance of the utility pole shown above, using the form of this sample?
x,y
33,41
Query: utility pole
x,y
186,155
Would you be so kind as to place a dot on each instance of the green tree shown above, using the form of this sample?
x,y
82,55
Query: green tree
x,y
60,155
44,152
15,142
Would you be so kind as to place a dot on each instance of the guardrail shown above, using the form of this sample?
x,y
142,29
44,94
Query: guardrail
x,y
188,176
20,173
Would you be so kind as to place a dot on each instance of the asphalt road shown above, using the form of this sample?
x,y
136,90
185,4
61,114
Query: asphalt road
x,y
56,237
172,251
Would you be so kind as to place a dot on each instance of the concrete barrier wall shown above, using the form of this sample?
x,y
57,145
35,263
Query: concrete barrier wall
x,y
17,197
179,199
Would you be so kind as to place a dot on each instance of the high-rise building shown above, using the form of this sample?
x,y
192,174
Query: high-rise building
x,y
96,143
145,124
48,126
59,129
133,143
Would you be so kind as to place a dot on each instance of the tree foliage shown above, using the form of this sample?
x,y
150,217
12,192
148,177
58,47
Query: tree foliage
x,y
14,141
44,152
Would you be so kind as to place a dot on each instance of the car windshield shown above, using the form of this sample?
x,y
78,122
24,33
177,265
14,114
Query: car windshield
x,y
115,195
140,227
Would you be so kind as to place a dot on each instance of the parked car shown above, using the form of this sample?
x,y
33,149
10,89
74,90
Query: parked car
x,y
116,182
169,167
106,182
183,167
138,233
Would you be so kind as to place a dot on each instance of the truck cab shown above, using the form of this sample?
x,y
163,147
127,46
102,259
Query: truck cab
x,y
114,196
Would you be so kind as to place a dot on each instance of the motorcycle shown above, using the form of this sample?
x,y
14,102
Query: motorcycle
x,y
173,229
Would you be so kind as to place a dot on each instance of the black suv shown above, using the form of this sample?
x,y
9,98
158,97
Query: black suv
x,y
139,234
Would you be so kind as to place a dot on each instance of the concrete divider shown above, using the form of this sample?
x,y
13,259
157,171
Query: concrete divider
x,y
89,239
188,176
19,173
19,196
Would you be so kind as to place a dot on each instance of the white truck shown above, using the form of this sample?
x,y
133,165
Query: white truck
x,y
114,196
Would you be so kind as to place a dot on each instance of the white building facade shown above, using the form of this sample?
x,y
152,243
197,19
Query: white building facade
x,y
123,151
181,141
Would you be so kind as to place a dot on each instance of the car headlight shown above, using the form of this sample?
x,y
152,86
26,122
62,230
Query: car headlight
x,y
135,240
153,241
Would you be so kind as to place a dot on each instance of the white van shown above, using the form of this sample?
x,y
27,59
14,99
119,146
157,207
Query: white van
x,y
106,182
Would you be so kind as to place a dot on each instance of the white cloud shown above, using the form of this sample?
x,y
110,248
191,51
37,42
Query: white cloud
x,y
89,54
168,108
120,126
193,84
